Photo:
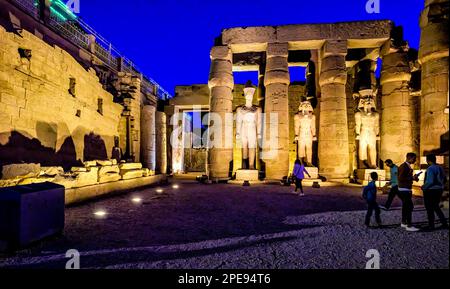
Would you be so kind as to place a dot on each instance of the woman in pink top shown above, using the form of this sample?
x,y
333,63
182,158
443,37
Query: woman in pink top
x,y
298,174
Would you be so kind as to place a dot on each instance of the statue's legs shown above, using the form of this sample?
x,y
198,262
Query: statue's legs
x,y
252,144
308,150
301,149
372,147
363,149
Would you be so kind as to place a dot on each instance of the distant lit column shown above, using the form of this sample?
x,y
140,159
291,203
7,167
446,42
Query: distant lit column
x,y
221,85
276,82
334,160
434,57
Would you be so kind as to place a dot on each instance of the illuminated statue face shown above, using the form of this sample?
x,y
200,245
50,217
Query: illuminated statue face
x,y
248,93
306,107
367,104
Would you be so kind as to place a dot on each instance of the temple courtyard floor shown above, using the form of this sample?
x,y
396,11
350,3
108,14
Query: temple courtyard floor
x,y
231,226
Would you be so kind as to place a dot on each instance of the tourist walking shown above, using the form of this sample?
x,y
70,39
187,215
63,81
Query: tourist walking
x,y
405,182
370,195
299,174
433,188
393,183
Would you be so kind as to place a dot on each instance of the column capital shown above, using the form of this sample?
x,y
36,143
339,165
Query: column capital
x,y
334,47
277,50
221,53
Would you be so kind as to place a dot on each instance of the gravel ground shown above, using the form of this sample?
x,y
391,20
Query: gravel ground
x,y
230,226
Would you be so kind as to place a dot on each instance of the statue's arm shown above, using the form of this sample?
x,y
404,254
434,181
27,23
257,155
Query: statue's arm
x,y
357,124
259,122
377,124
238,122
313,127
296,126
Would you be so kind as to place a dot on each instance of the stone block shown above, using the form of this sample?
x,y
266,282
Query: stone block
x,y
247,175
130,166
108,169
20,171
364,174
29,181
130,174
109,177
334,47
221,52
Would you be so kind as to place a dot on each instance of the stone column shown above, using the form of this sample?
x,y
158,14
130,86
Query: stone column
x,y
129,88
148,140
161,142
276,81
433,55
333,131
221,97
397,113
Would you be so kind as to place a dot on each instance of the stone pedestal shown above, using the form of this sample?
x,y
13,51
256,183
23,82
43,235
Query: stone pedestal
x,y
363,176
221,97
313,171
247,175
276,129
334,160
434,57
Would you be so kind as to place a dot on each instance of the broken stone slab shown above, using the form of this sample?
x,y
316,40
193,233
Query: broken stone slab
x,y
9,183
90,163
78,169
66,181
109,177
51,171
20,171
108,169
130,166
29,181
104,163
131,174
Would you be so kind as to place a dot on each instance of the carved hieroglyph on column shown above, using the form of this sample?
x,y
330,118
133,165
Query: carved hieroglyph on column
x,y
221,85
148,141
276,81
333,131
161,142
367,126
305,131
433,55
397,103
248,126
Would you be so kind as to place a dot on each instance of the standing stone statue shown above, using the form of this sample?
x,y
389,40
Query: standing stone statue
x,y
305,131
367,131
248,126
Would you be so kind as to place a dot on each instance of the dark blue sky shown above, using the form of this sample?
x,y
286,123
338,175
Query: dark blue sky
x,y
170,40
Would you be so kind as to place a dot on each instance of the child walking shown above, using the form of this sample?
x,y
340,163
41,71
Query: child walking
x,y
298,174
370,195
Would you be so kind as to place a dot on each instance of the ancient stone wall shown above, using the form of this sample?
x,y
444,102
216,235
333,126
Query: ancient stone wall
x,y
52,111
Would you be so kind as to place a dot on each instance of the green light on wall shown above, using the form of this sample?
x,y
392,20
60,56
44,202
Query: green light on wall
x,y
60,10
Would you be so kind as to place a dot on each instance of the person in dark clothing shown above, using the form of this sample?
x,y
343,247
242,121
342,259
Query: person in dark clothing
x,y
393,183
299,174
405,182
433,188
370,195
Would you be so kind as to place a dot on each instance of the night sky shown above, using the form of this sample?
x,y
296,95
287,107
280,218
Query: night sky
x,y
170,40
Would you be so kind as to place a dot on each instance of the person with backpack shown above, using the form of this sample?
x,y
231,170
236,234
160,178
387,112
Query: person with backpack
x,y
370,195
433,188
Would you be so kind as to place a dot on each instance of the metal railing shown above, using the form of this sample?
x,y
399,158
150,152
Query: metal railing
x,y
78,32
